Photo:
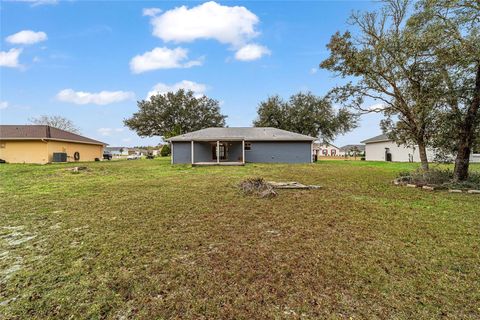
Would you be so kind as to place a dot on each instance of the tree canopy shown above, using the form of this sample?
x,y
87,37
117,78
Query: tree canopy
x,y
175,113
56,121
389,64
307,114
451,31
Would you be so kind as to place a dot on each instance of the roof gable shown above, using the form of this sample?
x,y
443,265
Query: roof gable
x,y
379,138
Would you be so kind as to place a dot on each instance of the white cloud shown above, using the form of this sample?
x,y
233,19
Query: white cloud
x,y
251,52
3,105
210,20
10,58
377,107
162,58
27,37
151,12
109,131
162,88
313,70
100,98
37,2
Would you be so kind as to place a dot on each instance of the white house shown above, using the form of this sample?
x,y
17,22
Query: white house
x,y
381,148
325,150
117,151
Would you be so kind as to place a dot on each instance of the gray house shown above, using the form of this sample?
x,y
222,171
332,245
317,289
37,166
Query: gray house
x,y
235,146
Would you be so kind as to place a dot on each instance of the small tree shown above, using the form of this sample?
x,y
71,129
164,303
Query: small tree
x,y
307,114
355,150
58,122
166,151
174,113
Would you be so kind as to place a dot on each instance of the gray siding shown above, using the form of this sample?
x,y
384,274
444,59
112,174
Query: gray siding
x,y
182,152
235,151
202,152
277,151
261,151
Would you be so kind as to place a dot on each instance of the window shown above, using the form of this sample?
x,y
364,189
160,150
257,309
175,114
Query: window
x,y
325,152
333,152
248,146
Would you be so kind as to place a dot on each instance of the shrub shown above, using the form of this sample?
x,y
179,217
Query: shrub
x,y
166,151
439,177
257,186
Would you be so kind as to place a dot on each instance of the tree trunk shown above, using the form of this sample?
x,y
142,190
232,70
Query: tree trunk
x,y
422,151
467,134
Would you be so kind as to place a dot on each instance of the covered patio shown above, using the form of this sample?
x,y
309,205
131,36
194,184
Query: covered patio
x,y
218,152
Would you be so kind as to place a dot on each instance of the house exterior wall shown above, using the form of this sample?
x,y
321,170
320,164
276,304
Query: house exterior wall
x,y
88,152
261,151
375,151
181,152
319,150
25,151
41,152
235,151
278,151
475,158
202,152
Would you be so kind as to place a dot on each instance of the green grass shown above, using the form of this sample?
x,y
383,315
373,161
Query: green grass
x,y
144,239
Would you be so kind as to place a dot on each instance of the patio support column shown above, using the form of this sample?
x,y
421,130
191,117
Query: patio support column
x,y
311,153
218,152
243,151
193,160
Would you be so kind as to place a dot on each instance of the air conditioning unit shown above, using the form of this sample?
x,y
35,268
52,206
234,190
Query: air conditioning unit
x,y
59,157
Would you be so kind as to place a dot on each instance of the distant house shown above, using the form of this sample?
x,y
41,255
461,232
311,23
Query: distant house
x,y
381,148
44,144
138,152
325,150
235,146
352,150
118,151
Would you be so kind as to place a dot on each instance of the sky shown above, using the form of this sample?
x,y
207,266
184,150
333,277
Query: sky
x,y
91,61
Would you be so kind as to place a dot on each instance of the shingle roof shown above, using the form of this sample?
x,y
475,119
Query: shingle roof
x,y
348,147
249,134
29,132
379,138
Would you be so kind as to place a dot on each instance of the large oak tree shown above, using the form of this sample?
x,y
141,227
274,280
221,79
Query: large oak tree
x,y
307,114
175,113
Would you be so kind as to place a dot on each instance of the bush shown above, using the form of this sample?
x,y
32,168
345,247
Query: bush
x,y
438,177
166,151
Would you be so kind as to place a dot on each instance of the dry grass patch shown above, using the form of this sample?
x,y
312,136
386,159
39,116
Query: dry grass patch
x,y
147,240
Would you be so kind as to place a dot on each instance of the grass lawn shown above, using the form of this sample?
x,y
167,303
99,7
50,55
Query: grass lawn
x,y
144,239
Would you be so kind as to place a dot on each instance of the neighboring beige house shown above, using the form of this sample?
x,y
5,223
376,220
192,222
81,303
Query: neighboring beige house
x,y
325,150
381,148
39,143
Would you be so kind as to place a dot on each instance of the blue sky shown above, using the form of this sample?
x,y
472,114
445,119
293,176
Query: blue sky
x,y
91,60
